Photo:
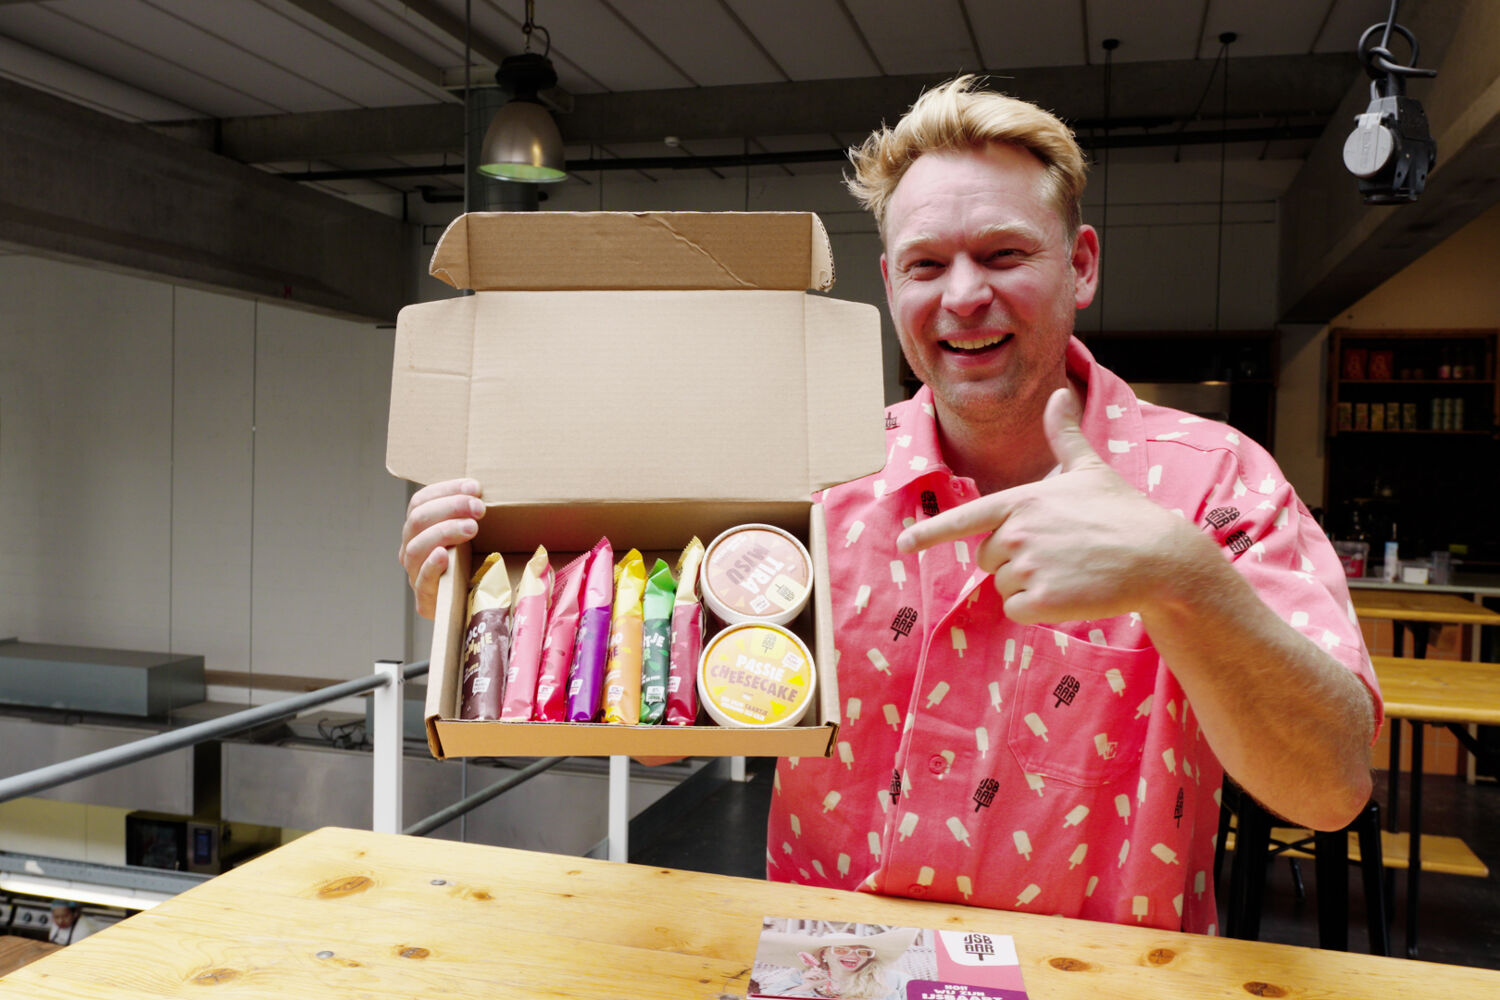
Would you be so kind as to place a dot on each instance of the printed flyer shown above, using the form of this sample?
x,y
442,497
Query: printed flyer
x,y
838,960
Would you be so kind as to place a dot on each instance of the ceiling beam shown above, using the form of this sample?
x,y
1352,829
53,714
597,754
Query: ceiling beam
x,y
1334,248
1273,87
454,27
78,184
1280,86
361,32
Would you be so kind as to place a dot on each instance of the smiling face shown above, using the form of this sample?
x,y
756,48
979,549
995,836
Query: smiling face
x,y
849,958
983,282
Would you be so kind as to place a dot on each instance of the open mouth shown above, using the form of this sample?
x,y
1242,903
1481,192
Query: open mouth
x,y
977,345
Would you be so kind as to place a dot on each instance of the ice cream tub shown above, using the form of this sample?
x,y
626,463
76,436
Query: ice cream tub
x,y
756,675
756,573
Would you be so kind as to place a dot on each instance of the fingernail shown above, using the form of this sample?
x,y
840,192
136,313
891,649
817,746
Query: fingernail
x,y
904,542
476,508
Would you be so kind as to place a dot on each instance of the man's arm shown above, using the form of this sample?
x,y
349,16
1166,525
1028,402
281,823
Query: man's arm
x,y
1288,722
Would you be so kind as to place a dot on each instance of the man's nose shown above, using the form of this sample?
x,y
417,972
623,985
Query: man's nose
x,y
967,289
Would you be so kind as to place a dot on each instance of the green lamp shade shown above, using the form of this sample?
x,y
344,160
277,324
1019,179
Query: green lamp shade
x,y
523,144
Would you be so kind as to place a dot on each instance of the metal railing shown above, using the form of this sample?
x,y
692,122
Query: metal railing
x,y
388,740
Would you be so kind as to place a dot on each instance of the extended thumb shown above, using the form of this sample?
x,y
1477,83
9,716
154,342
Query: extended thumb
x,y
1060,421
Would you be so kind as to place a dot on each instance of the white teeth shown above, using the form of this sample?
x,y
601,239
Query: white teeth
x,y
974,345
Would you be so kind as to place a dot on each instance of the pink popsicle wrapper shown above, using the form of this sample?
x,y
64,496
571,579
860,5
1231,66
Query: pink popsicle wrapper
x,y
586,678
528,629
557,648
687,640
622,673
486,641
656,642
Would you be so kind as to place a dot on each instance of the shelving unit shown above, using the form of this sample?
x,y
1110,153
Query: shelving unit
x,y
1412,437
1430,381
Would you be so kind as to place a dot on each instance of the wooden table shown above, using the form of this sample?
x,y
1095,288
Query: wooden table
x,y
1456,691
1450,692
1415,610
16,951
343,913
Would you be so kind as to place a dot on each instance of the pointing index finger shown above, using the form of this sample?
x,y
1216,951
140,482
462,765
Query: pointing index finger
x,y
977,517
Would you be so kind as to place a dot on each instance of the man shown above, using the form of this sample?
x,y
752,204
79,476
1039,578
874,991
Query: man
x,y
1099,600
69,924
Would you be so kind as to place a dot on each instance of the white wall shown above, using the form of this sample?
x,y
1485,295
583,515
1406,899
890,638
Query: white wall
x,y
190,472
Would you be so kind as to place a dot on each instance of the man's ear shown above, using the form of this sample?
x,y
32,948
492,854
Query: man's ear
x,y
885,278
1085,266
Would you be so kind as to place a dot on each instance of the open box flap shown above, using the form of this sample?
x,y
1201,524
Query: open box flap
x,y
560,251
675,397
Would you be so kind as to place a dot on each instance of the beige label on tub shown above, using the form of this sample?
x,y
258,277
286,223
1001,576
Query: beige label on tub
x,y
756,676
758,572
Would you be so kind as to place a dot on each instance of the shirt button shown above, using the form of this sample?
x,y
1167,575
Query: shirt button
x,y
936,764
961,619
916,890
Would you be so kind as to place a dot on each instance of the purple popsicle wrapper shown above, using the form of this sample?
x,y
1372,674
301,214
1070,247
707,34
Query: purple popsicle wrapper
x,y
557,648
486,641
528,629
687,640
586,678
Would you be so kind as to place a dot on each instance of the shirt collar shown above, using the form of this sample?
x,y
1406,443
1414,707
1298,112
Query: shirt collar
x,y
1111,422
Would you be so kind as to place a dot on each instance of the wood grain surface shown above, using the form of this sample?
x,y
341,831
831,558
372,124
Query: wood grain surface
x,y
1416,606
343,913
16,951
1439,690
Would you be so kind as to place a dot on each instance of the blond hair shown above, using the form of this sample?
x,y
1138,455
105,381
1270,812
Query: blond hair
x,y
959,115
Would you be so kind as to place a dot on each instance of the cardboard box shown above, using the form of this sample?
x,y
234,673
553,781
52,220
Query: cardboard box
x,y
645,376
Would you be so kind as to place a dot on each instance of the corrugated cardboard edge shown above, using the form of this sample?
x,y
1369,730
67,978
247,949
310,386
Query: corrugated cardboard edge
x,y
447,264
451,257
828,678
823,273
448,624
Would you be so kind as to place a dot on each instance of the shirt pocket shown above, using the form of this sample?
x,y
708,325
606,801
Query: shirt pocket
x,y
1078,709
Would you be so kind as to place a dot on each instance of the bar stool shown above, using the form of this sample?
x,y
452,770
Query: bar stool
x,y
1254,847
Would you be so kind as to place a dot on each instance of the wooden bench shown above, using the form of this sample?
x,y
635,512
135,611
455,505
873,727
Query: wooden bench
x,y
1448,855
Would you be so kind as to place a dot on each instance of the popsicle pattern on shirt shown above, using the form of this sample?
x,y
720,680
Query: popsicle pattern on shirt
x,y
1059,768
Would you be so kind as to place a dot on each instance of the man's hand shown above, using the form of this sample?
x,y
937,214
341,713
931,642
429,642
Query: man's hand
x,y
438,517
1081,545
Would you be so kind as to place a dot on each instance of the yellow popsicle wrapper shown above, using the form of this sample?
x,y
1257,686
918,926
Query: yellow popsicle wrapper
x,y
622,672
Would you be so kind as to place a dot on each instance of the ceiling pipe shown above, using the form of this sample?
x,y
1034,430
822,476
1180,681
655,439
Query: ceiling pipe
x,y
681,162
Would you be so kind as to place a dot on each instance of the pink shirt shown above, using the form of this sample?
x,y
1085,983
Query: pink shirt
x,y
1056,769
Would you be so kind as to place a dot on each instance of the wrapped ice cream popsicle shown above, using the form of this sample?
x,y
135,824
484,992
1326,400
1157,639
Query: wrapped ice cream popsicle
x,y
557,648
527,631
586,678
486,641
656,642
687,639
622,674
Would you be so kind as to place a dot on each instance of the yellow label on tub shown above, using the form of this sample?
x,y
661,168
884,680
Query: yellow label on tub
x,y
756,675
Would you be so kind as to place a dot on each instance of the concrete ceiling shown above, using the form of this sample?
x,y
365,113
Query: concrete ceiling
x,y
276,82
364,99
